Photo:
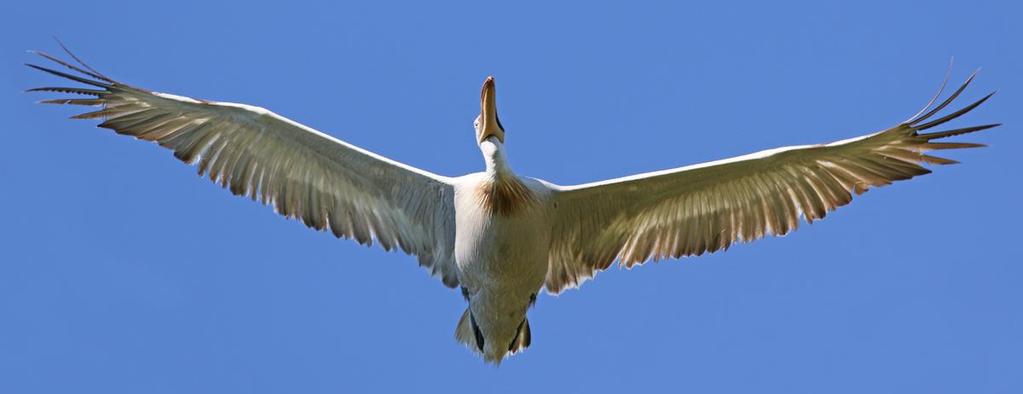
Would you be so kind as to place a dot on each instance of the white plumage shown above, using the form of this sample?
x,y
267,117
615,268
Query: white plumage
x,y
498,236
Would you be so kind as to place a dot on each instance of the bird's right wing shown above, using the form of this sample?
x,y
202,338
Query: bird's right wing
x,y
304,174
707,207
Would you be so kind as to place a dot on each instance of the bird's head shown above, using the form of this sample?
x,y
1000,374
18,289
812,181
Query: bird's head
x,y
487,125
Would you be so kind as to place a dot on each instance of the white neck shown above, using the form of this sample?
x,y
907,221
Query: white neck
x,y
494,156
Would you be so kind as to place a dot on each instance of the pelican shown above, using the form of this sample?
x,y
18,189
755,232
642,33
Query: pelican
x,y
500,237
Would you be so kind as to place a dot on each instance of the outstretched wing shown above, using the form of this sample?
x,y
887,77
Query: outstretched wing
x,y
300,172
707,207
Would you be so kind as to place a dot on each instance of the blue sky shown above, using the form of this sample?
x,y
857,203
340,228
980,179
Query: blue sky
x,y
123,272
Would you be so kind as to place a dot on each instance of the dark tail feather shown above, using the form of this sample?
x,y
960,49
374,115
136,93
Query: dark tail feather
x,y
522,339
468,334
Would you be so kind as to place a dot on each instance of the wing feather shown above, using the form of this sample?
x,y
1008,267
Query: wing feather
x,y
707,207
302,173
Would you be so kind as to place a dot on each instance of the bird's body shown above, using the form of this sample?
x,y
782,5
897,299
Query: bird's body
x,y
491,249
501,248
500,237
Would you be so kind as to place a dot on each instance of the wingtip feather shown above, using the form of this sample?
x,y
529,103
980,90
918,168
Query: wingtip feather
x,y
69,76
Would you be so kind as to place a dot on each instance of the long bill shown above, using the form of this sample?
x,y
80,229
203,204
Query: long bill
x,y
490,126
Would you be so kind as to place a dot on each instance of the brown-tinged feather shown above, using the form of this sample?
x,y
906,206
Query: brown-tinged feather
x,y
504,195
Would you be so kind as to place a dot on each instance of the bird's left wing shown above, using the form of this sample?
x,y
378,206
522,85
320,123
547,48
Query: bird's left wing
x,y
304,174
707,207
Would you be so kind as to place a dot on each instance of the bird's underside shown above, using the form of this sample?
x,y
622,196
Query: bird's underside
x,y
497,236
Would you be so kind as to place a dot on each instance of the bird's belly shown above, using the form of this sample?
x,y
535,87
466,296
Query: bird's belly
x,y
498,252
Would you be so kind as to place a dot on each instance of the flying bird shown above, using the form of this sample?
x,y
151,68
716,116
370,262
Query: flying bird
x,y
500,237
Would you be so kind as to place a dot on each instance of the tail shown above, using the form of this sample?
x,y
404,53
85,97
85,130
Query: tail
x,y
468,334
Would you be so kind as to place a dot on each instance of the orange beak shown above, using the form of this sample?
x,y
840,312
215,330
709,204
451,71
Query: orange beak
x,y
490,125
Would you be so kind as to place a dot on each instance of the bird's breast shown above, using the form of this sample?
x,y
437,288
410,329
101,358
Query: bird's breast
x,y
496,247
